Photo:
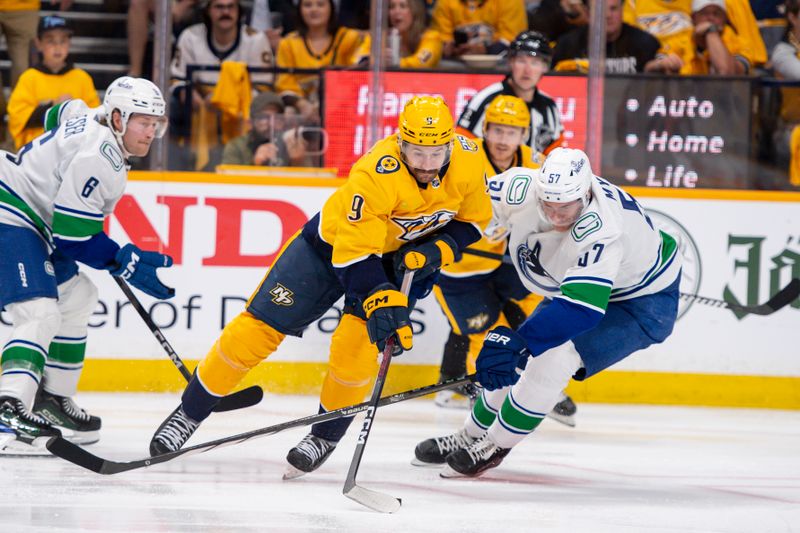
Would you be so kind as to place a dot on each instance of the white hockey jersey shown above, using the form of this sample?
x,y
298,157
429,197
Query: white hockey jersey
x,y
613,252
195,47
66,181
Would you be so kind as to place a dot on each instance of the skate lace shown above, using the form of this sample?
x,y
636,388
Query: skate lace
x,y
178,430
72,410
453,442
481,449
26,415
313,447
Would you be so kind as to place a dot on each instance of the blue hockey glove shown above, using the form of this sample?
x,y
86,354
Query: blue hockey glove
x,y
428,257
138,268
503,354
387,316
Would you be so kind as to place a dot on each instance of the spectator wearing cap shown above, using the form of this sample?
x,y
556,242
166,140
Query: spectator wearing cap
x,y
529,57
628,49
717,49
264,144
52,81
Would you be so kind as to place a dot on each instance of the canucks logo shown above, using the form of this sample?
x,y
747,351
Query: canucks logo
x,y
414,228
386,165
528,263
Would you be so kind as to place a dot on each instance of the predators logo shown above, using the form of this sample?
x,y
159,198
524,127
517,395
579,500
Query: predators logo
x,y
386,165
414,228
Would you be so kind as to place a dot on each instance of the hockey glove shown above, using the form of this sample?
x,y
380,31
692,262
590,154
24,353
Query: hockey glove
x,y
387,316
428,257
138,268
503,355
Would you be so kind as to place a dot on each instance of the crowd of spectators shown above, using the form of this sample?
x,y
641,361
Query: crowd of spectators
x,y
279,46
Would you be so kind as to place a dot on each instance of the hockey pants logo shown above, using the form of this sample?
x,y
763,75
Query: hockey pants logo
x,y
23,278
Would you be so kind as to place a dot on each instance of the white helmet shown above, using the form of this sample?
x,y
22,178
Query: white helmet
x,y
566,176
134,95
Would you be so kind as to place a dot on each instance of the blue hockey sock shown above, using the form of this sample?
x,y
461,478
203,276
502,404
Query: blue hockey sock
x,y
197,402
332,430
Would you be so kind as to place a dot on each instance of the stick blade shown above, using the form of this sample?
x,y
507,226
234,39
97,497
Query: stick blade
x,y
60,447
785,296
377,501
240,399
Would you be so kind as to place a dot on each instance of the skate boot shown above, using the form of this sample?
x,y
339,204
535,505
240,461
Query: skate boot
x,y
22,432
433,452
173,433
75,424
308,455
475,459
564,411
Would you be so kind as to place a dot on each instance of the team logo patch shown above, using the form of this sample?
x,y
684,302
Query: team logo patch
x,y
478,322
518,189
281,295
112,154
413,228
48,268
387,164
529,265
585,226
467,144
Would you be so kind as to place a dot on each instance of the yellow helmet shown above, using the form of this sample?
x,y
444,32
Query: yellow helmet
x,y
426,121
509,111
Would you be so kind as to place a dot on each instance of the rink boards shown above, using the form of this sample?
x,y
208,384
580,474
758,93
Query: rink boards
x,y
223,231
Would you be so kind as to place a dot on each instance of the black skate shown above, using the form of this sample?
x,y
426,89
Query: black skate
x,y
75,424
173,433
308,455
21,431
564,411
475,459
433,452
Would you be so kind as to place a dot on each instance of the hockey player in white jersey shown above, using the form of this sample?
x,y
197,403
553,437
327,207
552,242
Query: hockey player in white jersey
x,y
610,282
54,196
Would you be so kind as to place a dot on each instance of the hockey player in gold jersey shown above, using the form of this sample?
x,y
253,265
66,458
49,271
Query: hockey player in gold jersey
x,y
476,293
415,200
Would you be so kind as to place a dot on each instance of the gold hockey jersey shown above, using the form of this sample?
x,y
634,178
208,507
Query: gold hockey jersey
x,y
382,207
472,265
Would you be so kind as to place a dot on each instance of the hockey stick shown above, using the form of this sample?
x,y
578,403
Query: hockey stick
x,y
238,400
377,501
781,299
73,453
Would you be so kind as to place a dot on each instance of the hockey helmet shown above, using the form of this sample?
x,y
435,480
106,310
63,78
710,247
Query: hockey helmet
x,y
426,120
509,111
531,43
565,177
134,95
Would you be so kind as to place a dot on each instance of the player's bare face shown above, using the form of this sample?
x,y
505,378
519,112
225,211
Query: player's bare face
x,y
425,161
562,215
142,130
526,71
315,13
502,141
400,15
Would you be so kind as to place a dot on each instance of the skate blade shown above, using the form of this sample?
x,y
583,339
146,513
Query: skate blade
x,y
11,447
423,464
292,473
567,420
448,473
79,437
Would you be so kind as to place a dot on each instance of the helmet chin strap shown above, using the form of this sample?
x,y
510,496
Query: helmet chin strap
x,y
118,135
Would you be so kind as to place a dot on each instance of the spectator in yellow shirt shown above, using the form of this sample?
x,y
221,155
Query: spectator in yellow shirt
x,y
717,49
318,42
478,26
419,47
52,81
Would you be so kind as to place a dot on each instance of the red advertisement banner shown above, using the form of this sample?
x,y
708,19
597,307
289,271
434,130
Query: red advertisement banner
x,y
347,105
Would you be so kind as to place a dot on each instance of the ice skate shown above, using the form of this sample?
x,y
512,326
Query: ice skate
x,y
475,459
173,433
564,411
23,432
307,456
75,424
433,452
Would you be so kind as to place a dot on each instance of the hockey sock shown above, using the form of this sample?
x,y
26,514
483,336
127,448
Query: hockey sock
x,y
332,430
454,357
197,401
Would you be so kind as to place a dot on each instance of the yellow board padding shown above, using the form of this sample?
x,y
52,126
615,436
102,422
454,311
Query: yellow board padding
x,y
661,388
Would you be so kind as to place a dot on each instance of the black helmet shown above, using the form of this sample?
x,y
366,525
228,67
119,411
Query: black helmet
x,y
531,43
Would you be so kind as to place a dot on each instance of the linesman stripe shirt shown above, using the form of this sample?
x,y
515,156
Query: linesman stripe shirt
x,y
546,129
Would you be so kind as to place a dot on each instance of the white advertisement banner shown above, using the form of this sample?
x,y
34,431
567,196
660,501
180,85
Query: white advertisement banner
x,y
223,236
